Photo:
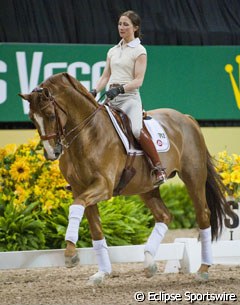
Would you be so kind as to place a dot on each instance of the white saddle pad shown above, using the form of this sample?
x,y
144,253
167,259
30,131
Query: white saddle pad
x,y
159,136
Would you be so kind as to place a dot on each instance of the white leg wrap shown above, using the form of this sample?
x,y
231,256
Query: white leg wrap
x,y
206,246
155,238
101,249
75,216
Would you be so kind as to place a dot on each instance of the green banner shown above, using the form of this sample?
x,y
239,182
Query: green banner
x,y
193,80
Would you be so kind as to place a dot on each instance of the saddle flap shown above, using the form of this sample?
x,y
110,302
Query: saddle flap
x,y
125,125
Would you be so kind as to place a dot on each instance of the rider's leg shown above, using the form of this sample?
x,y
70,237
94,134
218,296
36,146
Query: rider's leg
x,y
150,149
131,104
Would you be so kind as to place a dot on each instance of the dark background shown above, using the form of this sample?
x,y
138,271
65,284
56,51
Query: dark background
x,y
164,22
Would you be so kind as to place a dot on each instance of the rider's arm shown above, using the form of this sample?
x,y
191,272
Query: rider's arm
x,y
139,72
103,80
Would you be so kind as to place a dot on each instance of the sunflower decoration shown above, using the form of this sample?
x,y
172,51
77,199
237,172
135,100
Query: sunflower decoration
x,y
26,177
20,170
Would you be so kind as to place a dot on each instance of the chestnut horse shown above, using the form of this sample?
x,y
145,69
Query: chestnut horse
x,y
75,129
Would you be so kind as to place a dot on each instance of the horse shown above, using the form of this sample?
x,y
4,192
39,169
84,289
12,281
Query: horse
x,y
77,130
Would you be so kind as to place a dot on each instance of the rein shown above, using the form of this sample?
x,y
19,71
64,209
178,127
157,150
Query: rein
x,y
81,125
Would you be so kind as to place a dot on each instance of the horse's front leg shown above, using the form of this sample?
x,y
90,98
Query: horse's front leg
x,y
99,245
86,202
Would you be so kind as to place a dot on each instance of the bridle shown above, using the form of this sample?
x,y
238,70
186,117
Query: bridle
x,y
60,134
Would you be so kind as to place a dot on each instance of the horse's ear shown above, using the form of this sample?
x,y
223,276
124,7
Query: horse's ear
x,y
25,96
46,93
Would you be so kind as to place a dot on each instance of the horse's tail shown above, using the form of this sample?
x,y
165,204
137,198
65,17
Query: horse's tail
x,y
215,198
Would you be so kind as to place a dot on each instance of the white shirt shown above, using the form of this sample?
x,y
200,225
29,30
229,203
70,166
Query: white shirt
x,y
122,60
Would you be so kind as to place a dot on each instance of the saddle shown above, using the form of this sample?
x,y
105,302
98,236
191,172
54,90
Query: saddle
x,y
129,171
125,124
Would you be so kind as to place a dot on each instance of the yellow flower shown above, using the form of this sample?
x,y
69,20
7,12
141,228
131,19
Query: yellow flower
x,y
222,154
228,168
48,206
236,158
18,204
6,197
222,166
235,177
20,170
37,190
2,154
10,149
226,178
22,193
33,143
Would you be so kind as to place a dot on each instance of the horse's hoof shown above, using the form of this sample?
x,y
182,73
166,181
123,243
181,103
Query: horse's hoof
x,y
202,276
151,270
97,278
72,261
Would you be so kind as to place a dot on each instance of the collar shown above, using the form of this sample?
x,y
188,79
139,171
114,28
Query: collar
x,y
132,44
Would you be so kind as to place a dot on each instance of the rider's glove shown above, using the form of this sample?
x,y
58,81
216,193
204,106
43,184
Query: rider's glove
x,y
93,92
113,92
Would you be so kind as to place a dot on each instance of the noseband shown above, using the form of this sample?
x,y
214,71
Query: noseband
x,y
60,135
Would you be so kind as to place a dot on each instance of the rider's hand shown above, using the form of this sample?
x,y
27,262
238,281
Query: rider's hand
x,y
113,92
93,92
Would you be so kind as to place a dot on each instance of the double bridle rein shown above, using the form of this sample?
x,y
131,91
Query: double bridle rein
x,y
60,134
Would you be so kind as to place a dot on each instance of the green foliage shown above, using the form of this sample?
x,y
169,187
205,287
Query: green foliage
x,y
180,205
125,221
21,230
55,226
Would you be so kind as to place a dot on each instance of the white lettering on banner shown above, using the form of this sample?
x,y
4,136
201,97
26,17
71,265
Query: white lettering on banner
x,y
3,83
231,230
27,84
48,69
85,68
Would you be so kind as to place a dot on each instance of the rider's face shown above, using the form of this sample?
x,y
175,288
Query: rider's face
x,y
126,29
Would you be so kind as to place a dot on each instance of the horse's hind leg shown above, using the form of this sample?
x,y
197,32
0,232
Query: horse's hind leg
x,y
195,181
162,218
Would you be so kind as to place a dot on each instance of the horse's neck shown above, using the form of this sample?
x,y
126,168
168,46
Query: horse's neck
x,y
79,111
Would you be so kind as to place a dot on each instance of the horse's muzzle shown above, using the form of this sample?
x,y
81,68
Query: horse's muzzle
x,y
58,150
54,154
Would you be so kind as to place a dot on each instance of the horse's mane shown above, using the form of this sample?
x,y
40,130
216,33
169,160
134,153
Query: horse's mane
x,y
59,80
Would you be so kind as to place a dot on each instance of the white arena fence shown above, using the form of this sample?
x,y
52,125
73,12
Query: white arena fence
x,y
184,254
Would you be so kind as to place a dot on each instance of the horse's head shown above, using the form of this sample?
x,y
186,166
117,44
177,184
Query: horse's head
x,y
49,118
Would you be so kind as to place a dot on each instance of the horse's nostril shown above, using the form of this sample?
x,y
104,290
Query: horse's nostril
x,y
58,150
